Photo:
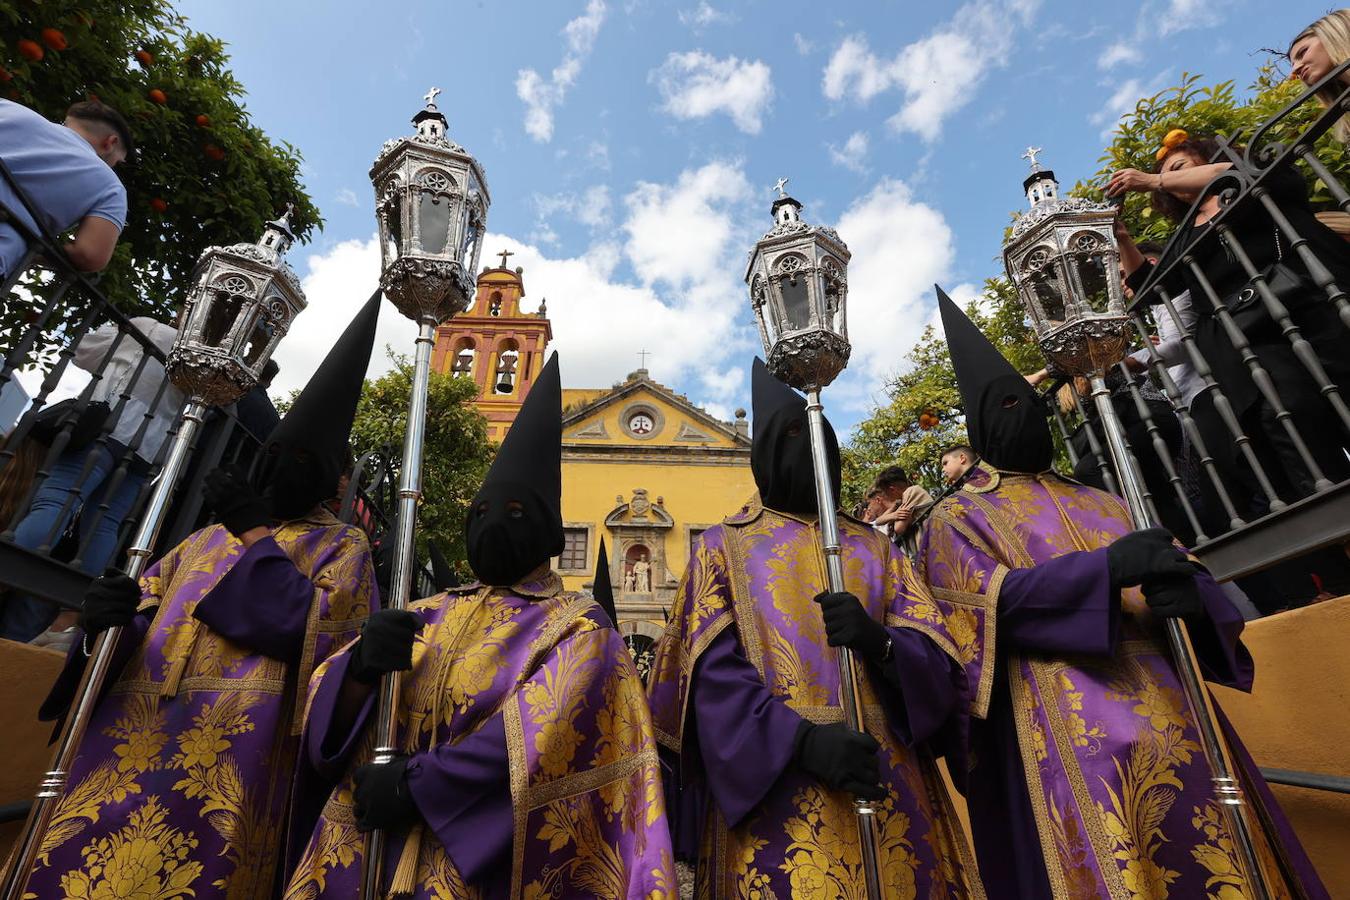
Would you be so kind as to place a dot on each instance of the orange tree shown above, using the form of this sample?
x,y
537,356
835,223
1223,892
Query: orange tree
x,y
203,173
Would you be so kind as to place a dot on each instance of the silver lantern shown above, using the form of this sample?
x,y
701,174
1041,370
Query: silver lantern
x,y
798,278
431,203
1063,258
241,304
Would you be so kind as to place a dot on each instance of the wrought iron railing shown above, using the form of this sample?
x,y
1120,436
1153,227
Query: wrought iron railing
x,y
1256,483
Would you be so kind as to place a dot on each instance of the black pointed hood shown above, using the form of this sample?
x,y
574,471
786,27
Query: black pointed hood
x,y
1005,416
441,572
780,448
310,447
515,521
602,588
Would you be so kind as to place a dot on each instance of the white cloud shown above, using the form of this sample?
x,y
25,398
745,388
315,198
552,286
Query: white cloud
x,y
703,15
853,155
804,45
347,197
337,283
697,84
597,153
1122,102
541,96
1117,53
900,247
1183,15
592,208
937,74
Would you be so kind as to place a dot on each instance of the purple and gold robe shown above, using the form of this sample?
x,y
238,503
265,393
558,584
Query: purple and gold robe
x,y
532,759
1086,776
181,785
744,661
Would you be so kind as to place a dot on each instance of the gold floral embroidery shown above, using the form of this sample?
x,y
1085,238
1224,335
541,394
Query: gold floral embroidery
x,y
336,845
146,859
823,859
1218,855
556,700
1079,732
594,868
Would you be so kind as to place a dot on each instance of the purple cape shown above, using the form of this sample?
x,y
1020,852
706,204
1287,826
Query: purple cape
x,y
1085,773
180,786
744,662
532,760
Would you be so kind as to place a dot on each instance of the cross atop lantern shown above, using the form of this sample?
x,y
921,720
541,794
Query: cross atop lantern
x,y
798,279
431,203
241,303
1063,258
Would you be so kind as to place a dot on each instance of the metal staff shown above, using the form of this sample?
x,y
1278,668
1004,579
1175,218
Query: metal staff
x,y
431,208
798,289
268,297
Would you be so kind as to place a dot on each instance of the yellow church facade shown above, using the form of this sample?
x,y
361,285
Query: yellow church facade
x,y
642,466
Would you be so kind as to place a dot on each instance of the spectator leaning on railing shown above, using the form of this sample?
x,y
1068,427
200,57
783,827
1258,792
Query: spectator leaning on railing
x,y
1183,173
66,172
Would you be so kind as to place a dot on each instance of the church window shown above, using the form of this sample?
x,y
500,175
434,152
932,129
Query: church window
x,y
463,361
574,549
508,360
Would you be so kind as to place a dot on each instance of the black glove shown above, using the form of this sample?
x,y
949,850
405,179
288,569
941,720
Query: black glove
x,y
386,645
110,601
382,798
236,504
844,760
1175,598
847,624
1147,555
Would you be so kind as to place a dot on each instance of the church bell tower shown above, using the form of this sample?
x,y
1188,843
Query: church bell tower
x,y
496,344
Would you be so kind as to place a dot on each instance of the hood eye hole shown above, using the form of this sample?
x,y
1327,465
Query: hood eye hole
x,y
1010,401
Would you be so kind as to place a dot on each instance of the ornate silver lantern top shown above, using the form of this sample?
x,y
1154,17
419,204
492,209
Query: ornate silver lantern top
x,y
431,203
798,280
241,304
1063,258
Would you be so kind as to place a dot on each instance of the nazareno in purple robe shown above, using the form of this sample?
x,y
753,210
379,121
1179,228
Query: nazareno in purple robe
x,y
743,663
1085,776
182,779
532,762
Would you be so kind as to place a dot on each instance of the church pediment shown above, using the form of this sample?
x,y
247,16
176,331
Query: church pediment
x,y
639,512
642,413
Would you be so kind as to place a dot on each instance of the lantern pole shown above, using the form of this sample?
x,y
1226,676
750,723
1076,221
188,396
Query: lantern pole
x,y
809,358
219,375
428,284
1081,339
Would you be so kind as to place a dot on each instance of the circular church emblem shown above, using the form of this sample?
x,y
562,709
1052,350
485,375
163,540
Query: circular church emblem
x,y
641,424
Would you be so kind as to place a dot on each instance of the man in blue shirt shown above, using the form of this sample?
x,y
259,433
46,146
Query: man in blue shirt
x,y
66,171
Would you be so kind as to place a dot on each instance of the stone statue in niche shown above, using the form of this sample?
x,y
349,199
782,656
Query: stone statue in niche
x,y
642,577
629,580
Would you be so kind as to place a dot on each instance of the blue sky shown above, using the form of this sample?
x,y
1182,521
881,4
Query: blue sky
x,y
631,146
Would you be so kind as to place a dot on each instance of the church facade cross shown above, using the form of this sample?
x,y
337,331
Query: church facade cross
x,y
779,187
504,254
1031,155
642,357
430,97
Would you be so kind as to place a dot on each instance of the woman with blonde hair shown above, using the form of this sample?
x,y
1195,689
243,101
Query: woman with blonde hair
x,y
1318,49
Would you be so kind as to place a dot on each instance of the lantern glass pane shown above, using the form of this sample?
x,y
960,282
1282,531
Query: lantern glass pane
x,y
224,310
1092,275
466,250
834,305
433,215
1047,286
796,301
259,338
393,245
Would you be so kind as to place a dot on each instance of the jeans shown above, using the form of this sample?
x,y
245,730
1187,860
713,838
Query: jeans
x,y
23,618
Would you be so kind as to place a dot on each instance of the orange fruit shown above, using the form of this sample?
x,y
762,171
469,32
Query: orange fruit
x,y
213,152
159,205
144,57
203,120
54,39
29,50
158,96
